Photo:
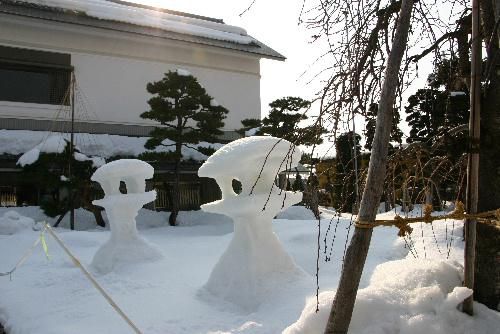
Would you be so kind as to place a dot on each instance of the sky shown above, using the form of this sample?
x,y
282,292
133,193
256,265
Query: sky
x,y
276,23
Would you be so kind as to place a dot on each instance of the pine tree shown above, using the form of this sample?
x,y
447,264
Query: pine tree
x,y
298,183
50,172
442,106
396,135
344,187
188,115
283,122
426,114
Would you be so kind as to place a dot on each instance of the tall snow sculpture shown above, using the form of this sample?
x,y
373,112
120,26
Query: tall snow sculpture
x,y
124,246
255,262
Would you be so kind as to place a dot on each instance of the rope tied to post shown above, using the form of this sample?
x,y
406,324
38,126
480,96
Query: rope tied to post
x,y
403,224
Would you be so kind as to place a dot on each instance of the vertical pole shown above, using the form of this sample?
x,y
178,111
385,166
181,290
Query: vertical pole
x,y
355,210
71,150
355,156
473,157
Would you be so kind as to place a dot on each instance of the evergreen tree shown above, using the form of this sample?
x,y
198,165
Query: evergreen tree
x,y
65,192
298,183
344,187
426,114
187,115
440,107
283,122
371,119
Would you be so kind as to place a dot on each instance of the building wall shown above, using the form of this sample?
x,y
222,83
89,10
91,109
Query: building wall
x,y
112,69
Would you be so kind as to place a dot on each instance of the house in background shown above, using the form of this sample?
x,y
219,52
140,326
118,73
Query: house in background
x,y
114,48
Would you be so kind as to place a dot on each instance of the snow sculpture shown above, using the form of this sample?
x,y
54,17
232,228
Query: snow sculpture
x,y
124,246
255,262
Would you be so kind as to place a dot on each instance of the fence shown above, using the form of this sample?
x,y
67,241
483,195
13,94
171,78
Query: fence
x,y
8,196
189,194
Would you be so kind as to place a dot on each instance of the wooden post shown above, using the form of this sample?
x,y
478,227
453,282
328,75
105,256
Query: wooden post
x,y
473,157
71,151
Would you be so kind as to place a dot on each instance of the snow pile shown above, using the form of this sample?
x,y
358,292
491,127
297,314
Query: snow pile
x,y
255,262
406,297
183,72
12,222
297,212
102,145
252,132
96,161
106,10
124,246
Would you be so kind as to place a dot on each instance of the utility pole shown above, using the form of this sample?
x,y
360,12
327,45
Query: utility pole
x,y
473,158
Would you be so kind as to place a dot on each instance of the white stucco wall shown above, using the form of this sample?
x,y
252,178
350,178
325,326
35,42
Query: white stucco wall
x,y
113,68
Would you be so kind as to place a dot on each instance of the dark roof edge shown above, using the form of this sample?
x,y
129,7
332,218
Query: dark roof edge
x,y
167,11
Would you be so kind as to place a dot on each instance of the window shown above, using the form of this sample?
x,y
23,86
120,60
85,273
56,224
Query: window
x,y
33,76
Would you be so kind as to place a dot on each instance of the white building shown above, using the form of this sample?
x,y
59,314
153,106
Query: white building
x,y
115,48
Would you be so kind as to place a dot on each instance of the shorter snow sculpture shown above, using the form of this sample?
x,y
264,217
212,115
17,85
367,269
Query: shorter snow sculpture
x,y
124,246
255,262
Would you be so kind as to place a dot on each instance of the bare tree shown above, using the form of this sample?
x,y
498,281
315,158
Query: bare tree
x,y
343,304
363,38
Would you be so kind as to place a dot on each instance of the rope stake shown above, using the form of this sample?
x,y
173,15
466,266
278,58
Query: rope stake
x,y
76,262
93,281
26,255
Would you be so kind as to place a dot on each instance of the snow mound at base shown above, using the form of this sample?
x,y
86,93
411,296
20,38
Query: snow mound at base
x,y
113,255
296,213
406,297
12,222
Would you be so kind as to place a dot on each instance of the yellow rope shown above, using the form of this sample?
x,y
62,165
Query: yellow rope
x,y
25,255
403,224
77,263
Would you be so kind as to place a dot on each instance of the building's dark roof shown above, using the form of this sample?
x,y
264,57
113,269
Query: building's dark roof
x,y
43,12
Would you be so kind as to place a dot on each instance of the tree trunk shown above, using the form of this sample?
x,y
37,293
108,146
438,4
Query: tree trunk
x,y
86,198
343,304
97,215
172,219
487,271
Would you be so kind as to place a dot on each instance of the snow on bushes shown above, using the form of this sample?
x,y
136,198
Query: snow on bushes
x,y
411,296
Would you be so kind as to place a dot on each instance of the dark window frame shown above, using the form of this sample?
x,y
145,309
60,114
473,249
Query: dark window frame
x,y
51,70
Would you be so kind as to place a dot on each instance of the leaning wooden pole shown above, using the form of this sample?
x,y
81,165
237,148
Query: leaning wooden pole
x,y
473,157
343,304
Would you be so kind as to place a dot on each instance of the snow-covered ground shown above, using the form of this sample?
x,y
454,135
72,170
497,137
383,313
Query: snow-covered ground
x,y
404,295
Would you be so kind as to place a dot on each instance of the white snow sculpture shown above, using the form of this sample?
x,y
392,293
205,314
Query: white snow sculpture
x,y
255,262
124,246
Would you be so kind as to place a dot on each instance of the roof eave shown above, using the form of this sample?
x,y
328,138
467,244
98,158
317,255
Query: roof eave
x,y
63,16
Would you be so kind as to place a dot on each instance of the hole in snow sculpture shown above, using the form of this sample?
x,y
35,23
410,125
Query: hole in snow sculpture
x,y
255,263
124,246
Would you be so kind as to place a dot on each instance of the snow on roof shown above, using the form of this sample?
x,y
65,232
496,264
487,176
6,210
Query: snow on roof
x,y
145,16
